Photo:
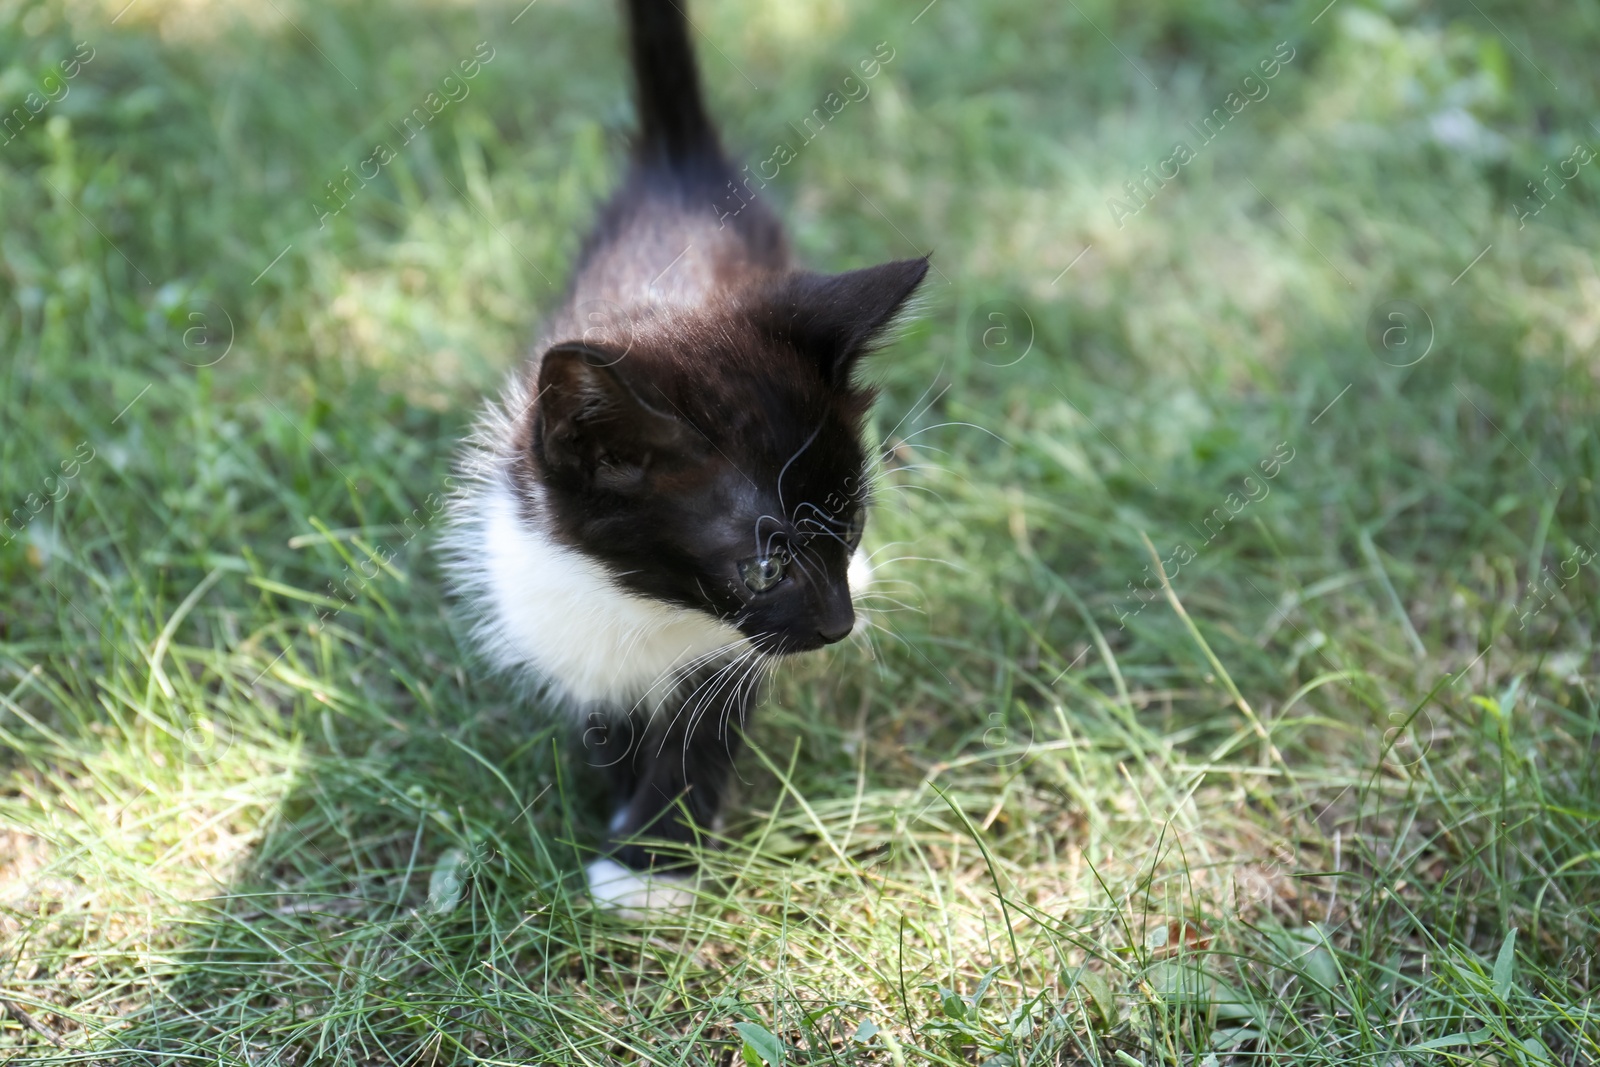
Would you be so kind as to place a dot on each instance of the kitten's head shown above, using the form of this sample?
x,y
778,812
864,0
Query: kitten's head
x,y
715,462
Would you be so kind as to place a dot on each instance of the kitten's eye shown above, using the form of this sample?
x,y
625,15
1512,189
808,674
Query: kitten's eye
x,y
761,573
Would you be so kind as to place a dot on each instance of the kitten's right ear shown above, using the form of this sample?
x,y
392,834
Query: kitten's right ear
x,y
593,421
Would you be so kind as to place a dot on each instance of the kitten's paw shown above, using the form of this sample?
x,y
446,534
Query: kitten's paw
x,y
636,896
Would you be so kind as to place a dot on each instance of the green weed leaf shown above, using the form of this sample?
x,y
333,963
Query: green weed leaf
x,y
983,987
448,878
1452,1040
1504,966
760,1046
1100,995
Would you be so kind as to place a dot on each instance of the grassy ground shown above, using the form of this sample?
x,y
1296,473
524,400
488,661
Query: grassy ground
x,y
1330,794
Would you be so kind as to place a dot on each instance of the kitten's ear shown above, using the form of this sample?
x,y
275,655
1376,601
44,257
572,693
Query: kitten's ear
x,y
593,420
837,317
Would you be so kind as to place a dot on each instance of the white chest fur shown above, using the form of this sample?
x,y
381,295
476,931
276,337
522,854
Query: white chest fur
x,y
547,610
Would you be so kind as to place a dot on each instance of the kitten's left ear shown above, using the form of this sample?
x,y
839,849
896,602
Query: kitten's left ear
x,y
838,317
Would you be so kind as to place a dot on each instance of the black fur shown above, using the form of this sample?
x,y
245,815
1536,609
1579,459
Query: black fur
x,y
711,432
675,133
669,774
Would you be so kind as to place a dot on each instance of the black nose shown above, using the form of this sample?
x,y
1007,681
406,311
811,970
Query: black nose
x,y
837,624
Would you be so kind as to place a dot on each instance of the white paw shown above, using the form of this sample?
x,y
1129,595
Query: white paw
x,y
636,896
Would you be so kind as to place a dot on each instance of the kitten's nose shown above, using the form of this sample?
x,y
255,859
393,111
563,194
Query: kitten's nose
x,y
837,622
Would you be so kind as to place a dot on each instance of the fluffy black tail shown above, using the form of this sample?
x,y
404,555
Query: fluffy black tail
x,y
674,130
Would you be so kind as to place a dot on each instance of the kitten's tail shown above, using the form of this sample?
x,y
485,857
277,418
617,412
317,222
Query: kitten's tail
x,y
674,130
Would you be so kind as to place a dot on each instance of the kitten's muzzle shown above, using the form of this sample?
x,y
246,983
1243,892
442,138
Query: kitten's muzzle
x,y
837,622
828,629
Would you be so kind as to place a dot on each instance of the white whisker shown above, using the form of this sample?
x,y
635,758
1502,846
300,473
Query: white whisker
x,y
918,404
969,425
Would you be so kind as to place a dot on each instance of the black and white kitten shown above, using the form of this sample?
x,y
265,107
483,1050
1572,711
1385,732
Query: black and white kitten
x,y
672,490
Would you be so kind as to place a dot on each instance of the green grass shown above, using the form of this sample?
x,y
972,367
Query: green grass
x,y
1333,797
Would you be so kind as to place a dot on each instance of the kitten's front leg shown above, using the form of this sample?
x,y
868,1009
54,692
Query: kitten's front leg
x,y
611,742
678,773
682,778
